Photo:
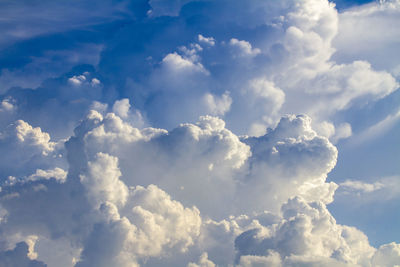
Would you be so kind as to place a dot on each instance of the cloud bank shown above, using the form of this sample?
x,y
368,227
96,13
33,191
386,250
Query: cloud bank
x,y
194,133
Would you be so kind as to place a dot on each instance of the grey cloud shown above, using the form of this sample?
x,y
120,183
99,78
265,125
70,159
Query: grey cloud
x,y
18,257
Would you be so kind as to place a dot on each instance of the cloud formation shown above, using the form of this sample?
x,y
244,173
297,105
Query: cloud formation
x,y
184,133
111,220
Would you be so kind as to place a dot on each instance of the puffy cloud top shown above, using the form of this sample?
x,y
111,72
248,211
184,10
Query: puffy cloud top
x,y
188,133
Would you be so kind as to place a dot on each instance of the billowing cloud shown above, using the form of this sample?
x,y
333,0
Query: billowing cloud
x,y
28,148
387,255
201,134
307,234
114,221
19,257
358,25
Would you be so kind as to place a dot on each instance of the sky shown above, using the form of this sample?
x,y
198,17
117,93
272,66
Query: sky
x,y
199,133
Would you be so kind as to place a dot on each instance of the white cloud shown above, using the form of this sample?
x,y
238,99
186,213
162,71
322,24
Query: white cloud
x,y
342,86
369,32
195,145
29,136
162,221
292,160
342,131
121,107
387,255
84,79
307,234
77,80
218,105
175,63
377,129
207,40
56,173
102,181
120,223
154,225
28,148
293,56
191,159
197,194
7,105
203,262
361,186
273,259
95,82
244,48
334,133
379,190
266,96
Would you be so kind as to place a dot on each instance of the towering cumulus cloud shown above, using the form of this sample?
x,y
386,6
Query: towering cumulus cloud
x,y
185,133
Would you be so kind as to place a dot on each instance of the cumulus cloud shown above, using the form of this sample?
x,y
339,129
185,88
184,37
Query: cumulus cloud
x,y
178,146
203,262
289,46
308,235
370,21
83,79
77,80
291,153
7,105
19,257
122,223
102,181
218,105
207,40
154,224
28,148
176,64
297,62
57,173
387,255
121,107
294,154
142,221
244,48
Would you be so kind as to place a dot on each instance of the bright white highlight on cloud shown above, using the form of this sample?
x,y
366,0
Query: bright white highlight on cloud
x,y
207,40
359,26
376,191
244,48
202,136
360,186
121,107
110,157
56,173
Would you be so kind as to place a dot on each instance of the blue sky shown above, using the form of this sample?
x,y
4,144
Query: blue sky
x,y
199,133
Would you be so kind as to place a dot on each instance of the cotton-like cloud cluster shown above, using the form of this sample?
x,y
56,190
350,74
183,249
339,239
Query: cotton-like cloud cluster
x,y
111,212
201,133
284,64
